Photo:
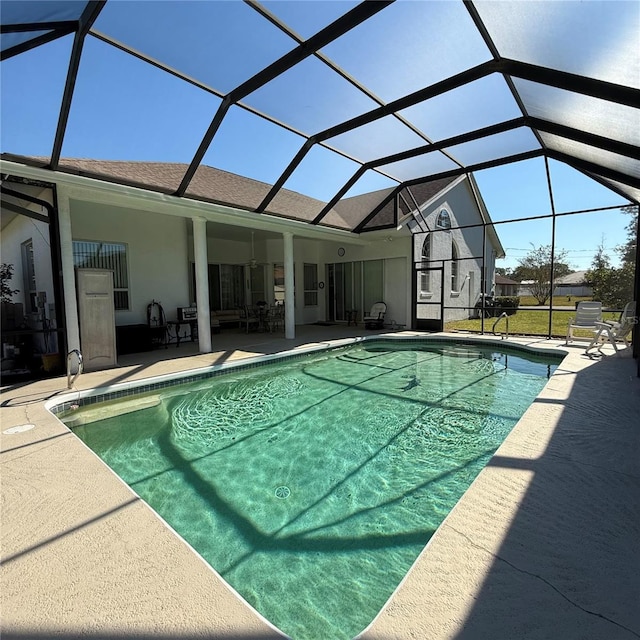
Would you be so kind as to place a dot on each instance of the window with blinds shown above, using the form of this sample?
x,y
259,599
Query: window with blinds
x,y
106,255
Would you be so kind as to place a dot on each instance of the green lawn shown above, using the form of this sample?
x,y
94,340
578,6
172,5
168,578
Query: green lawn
x,y
558,301
528,322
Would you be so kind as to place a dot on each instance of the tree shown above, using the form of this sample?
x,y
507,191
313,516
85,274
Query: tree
x,y
613,286
607,282
6,273
536,267
627,251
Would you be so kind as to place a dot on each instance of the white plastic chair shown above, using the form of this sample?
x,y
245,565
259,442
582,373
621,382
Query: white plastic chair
x,y
375,318
588,313
614,332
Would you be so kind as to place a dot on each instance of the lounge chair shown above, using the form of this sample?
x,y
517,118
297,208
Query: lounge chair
x,y
614,332
588,313
375,318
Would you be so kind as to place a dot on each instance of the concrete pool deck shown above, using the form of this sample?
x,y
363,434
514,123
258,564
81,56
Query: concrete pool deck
x,y
543,545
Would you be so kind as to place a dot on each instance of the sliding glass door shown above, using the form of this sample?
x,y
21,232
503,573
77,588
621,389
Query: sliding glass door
x,y
226,286
353,286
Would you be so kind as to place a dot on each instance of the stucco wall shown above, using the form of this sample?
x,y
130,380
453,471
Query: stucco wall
x,y
156,254
462,209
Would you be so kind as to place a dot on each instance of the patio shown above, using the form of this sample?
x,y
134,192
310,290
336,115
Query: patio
x,y
542,545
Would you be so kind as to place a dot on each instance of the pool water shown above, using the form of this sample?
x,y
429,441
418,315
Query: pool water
x,y
311,486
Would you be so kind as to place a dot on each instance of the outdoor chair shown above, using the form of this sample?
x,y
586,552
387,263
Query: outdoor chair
x,y
614,332
249,318
375,318
276,315
157,324
588,313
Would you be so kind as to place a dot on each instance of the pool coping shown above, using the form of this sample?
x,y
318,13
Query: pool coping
x,y
171,607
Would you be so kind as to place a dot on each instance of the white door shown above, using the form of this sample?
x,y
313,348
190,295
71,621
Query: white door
x,y
96,312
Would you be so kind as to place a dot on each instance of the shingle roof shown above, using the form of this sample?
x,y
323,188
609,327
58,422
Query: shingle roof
x,y
504,280
577,277
222,187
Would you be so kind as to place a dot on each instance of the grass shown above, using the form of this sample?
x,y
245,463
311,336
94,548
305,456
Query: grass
x,y
558,301
529,322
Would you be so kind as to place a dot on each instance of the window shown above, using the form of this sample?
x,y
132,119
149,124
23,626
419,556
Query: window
x,y
106,255
256,281
29,273
310,285
278,283
425,279
455,267
232,289
444,220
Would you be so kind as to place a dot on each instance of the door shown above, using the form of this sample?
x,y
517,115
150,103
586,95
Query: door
x,y
96,312
428,302
343,290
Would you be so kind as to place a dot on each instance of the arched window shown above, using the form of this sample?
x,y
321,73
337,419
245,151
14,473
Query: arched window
x,y
455,267
425,280
443,220
426,248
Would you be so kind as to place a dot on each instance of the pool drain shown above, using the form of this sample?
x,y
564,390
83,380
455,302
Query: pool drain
x,y
283,492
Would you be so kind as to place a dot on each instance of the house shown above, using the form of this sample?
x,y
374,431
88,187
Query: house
x,y
505,286
211,251
574,284
455,258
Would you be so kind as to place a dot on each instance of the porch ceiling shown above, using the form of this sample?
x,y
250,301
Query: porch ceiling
x,y
360,102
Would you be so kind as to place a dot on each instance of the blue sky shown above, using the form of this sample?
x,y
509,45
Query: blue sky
x,y
128,110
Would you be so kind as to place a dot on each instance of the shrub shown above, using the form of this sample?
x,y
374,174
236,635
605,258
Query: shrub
x,y
507,304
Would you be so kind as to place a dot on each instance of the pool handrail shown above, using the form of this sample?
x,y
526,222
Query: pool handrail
x,y
70,381
505,335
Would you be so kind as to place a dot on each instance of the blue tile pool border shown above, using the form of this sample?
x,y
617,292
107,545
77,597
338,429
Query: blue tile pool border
x,y
88,397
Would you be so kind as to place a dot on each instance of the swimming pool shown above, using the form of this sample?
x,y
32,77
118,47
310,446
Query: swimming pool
x,y
312,486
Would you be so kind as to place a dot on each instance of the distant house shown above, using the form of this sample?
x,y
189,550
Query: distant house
x,y
505,286
573,285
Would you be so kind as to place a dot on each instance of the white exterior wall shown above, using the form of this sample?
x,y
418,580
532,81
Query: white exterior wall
x,y
156,254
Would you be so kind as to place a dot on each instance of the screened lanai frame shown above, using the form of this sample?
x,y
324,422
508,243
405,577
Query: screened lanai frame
x,y
573,82
488,321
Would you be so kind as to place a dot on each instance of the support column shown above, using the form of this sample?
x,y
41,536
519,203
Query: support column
x,y
289,297
202,283
68,272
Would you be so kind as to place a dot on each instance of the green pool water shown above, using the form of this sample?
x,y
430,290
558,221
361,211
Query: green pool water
x,y
311,486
